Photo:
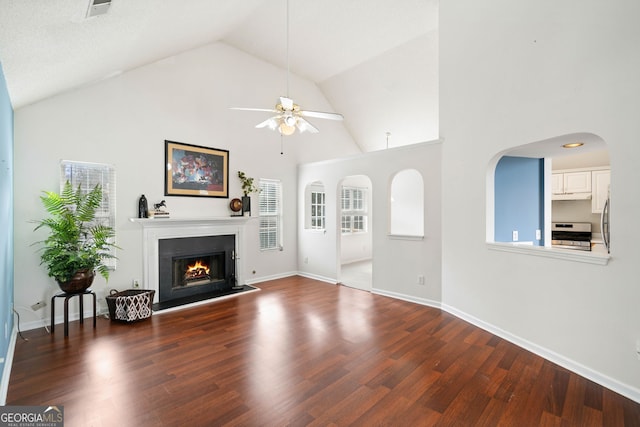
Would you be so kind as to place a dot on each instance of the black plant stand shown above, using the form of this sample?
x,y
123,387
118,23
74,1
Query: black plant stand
x,y
67,297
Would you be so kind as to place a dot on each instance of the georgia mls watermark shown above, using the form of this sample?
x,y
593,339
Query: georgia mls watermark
x,y
31,416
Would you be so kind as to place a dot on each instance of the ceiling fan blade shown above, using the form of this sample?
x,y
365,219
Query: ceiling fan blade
x,y
305,126
271,123
287,103
270,110
321,115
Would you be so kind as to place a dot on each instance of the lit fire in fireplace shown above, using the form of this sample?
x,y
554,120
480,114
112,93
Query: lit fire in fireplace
x,y
197,271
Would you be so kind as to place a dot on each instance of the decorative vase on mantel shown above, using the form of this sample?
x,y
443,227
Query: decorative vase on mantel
x,y
246,205
247,188
80,282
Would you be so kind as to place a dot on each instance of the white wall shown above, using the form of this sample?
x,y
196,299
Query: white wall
x,y
394,81
125,120
518,72
397,263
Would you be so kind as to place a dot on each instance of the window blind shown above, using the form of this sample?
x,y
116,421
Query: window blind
x,y
87,176
270,214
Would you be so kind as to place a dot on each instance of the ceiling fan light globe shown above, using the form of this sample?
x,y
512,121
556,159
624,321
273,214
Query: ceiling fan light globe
x,y
290,121
286,129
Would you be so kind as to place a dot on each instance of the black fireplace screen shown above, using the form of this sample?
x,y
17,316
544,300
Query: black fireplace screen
x,y
190,266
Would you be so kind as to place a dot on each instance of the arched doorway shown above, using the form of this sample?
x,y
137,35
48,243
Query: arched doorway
x,y
355,242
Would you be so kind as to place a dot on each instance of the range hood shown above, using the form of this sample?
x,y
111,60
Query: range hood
x,y
571,196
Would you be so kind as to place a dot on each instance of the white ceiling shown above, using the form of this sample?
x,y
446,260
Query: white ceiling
x,y
375,60
594,152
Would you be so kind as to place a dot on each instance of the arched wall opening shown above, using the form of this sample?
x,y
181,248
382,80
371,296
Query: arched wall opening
x,y
355,231
511,185
406,204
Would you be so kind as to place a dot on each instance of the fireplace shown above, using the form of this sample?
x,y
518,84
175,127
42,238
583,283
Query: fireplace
x,y
192,266
176,230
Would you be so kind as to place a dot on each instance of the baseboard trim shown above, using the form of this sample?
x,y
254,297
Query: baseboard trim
x,y
573,366
267,278
59,320
329,280
408,298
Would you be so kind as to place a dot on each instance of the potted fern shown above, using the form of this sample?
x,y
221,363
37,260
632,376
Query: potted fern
x,y
76,246
248,187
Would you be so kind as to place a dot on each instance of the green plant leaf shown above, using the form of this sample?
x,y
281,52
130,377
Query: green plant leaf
x,y
74,241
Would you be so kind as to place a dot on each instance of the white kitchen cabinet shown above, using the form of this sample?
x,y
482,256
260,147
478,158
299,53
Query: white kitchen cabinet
x,y
577,182
601,179
557,183
571,185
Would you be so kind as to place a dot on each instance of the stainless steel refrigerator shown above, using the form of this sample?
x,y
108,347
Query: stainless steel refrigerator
x,y
604,222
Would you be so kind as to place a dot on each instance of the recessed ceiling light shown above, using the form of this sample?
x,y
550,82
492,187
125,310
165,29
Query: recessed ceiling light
x,y
573,145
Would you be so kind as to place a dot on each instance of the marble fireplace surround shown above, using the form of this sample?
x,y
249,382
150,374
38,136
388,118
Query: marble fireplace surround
x,y
154,230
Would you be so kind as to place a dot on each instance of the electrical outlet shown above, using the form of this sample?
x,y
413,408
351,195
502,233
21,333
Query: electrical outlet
x,y
135,284
420,279
638,349
538,235
37,306
515,235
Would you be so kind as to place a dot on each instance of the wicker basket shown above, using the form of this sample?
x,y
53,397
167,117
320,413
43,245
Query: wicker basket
x,y
130,305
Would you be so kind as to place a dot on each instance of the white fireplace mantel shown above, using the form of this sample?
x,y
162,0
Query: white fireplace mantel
x,y
176,222
156,229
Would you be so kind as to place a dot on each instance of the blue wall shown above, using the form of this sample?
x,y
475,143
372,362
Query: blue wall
x,y
6,220
519,199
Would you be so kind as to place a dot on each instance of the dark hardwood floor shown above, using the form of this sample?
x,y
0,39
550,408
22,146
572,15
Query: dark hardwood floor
x,y
301,352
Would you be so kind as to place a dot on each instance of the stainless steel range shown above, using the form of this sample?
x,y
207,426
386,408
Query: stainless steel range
x,y
571,235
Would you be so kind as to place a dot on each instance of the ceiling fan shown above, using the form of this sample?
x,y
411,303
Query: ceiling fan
x,y
288,115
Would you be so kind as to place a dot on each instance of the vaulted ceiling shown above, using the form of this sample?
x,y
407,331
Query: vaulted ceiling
x,y
376,61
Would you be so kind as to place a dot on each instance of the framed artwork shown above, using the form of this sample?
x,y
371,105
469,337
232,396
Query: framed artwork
x,y
192,170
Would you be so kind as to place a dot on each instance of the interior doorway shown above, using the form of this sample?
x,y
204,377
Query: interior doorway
x,y
355,242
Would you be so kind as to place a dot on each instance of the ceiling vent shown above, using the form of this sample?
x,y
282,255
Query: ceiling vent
x,y
98,7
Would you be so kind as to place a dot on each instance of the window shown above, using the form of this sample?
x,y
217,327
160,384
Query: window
x,y
317,210
346,223
358,223
315,206
354,218
270,214
87,176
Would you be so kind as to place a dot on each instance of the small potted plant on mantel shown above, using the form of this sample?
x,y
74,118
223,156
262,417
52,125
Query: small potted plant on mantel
x,y
248,187
76,247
